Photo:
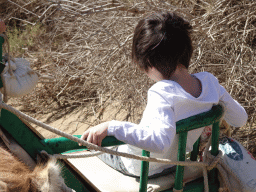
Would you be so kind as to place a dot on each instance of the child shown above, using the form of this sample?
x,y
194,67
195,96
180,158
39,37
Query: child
x,y
162,49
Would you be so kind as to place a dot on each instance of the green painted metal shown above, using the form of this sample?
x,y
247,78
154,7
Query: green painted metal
x,y
200,120
183,126
215,138
195,151
178,185
213,174
144,172
27,139
62,144
31,142
72,151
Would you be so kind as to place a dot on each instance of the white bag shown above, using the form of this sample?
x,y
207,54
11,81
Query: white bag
x,y
241,162
22,81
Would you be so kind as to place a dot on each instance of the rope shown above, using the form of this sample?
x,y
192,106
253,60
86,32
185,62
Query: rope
x,y
208,163
95,147
223,168
84,155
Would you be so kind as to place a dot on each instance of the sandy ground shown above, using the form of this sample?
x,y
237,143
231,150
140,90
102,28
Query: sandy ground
x,y
76,122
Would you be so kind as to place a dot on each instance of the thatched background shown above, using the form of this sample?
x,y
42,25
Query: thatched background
x,y
85,48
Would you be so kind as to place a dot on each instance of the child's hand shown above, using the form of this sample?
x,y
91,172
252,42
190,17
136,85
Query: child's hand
x,y
2,27
96,134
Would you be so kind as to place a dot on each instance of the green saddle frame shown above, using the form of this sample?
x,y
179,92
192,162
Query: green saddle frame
x,y
33,143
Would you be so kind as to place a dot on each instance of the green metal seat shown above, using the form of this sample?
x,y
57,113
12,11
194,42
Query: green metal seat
x,y
211,117
33,143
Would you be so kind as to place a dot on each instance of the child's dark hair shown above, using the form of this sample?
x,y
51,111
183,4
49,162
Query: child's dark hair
x,y
162,40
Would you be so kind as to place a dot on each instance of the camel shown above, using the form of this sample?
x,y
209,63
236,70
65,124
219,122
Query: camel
x,y
15,176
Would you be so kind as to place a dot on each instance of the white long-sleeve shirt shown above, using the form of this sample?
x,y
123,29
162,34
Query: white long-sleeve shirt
x,y
168,103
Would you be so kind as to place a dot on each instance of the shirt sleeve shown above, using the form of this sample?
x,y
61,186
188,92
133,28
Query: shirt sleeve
x,y
156,131
235,114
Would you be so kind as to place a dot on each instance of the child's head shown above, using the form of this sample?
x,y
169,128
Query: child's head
x,y
162,40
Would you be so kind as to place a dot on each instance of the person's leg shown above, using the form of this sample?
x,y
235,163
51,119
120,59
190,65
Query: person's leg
x,y
116,163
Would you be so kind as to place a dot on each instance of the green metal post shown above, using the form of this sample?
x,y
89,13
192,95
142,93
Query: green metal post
x,y
215,138
195,151
144,172
215,143
181,157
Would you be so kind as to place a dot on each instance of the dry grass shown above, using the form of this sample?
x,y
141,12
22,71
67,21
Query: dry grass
x,y
86,49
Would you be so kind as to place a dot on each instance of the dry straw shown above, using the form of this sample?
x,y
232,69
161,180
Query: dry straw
x,y
86,48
